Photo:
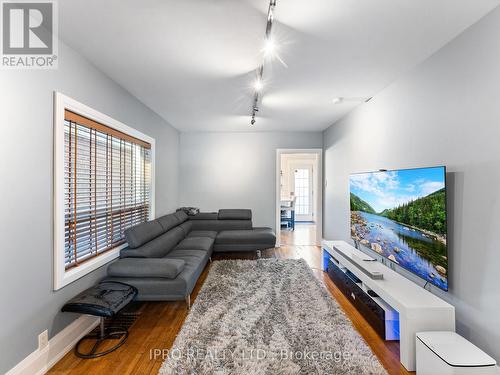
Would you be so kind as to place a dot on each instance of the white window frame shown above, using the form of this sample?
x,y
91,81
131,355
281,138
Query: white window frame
x,y
63,277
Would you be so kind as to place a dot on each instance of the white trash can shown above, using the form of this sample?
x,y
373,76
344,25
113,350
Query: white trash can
x,y
448,353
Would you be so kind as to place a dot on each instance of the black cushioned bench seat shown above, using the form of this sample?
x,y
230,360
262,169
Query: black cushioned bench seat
x,y
104,300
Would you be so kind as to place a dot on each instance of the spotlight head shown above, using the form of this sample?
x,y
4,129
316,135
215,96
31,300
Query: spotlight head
x,y
269,47
258,85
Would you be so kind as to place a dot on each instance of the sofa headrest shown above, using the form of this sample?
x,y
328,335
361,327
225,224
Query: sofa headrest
x,y
168,221
235,214
142,233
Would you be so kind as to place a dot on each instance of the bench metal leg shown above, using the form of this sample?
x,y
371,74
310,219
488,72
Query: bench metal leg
x,y
105,333
188,301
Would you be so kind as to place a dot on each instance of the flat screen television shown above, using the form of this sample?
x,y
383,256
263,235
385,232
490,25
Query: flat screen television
x,y
401,215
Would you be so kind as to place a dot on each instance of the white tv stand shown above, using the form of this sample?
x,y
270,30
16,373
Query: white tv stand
x,y
419,310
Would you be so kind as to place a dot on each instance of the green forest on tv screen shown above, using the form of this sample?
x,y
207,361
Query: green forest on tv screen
x,y
401,215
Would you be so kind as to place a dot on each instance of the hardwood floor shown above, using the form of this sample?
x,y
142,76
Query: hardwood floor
x,y
304,234
159,322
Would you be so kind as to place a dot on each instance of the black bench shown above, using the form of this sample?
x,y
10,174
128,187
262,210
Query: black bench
x,y
104,300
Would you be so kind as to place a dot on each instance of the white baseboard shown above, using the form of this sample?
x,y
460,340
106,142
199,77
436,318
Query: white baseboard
x,y
40,361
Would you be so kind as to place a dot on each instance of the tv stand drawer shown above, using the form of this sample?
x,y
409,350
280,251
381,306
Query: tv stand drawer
x,y
371,311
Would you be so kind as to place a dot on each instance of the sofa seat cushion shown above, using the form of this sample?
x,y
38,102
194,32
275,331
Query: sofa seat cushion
x,y
203,233
182,254
143,267
195,243
253,236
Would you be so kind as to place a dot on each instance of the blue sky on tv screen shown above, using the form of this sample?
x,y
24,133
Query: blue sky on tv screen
x,y
383,190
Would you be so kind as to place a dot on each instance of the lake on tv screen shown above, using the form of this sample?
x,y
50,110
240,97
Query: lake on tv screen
x,y
401,215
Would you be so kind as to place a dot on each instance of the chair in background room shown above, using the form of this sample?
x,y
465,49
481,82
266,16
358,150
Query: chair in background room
x,y
288,212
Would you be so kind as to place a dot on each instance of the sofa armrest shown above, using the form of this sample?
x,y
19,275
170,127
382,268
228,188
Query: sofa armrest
x,y
146,267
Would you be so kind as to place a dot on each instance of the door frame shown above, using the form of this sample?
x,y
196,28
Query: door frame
x,y
318,196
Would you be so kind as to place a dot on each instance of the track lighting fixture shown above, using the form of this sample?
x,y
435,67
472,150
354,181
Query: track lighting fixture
x,y
268,49
258,85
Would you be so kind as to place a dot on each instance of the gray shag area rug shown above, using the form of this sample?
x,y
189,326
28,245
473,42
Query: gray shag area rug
x,y
267,317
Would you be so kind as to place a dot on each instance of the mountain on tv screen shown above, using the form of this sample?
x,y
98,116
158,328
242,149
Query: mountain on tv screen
x,y
401,215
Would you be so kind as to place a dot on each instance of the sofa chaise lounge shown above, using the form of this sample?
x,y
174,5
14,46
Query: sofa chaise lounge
x,y
166,256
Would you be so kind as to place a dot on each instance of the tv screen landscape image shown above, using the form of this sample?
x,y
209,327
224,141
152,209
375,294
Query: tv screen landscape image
x,y
401,215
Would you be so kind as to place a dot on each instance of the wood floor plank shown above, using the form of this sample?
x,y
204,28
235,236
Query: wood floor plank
x,y
160,322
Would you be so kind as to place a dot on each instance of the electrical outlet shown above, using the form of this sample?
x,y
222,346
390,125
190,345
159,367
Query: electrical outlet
x,y
43,339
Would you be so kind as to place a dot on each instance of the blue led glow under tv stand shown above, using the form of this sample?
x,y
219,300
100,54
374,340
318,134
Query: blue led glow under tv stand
x,y
418,310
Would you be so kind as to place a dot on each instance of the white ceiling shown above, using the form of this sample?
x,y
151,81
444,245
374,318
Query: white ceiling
x,y
193,61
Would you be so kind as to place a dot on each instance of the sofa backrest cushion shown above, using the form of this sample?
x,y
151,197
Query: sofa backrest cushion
x,y
205,216
161,246
235,214
142,233
186,227
181,216
168,221
219,225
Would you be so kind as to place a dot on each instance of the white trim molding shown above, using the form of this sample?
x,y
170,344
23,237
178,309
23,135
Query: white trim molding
x,y
41,361
61,103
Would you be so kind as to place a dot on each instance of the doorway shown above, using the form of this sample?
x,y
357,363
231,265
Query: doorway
x,y
299,196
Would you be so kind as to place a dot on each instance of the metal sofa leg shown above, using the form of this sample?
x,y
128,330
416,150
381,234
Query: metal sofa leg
x,y
188,301
259,254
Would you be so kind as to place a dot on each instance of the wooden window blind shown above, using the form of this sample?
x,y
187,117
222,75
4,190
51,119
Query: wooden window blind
x,y
107,179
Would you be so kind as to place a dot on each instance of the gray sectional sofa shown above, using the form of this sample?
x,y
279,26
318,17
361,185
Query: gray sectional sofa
x,y
166,256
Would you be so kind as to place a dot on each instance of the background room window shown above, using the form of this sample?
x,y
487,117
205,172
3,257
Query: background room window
x,y
303,182
105,187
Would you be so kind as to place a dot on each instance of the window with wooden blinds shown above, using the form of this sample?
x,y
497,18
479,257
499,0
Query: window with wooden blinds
x,y
104,184
107,183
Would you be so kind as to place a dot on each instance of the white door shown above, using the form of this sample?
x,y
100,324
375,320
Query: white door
x,y
303,189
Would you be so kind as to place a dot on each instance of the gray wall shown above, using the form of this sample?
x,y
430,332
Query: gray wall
x,y
29,305
445,111
236,170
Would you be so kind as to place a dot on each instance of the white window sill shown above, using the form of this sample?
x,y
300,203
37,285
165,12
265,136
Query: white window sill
x,y
63,277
